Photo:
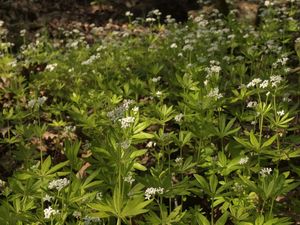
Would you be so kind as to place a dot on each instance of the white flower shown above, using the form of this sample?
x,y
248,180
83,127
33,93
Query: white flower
x,y
129,14
135,109
1,23
125,122
125,144
31,103
150,192
280,113
22,32
254,82
252,104
179,160
51,67
2,183
150,19
41,100
214,93
129,178
174,45
156,79
58,184
178,117
244,160
264,84
155,12
48,198
150,144
275,80
265,171
76,214
99,196
158,94
48,212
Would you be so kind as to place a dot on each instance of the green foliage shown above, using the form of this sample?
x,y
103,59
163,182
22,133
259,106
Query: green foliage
x,y
178,124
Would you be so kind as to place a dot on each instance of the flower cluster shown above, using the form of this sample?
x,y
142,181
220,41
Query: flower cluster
x,y
213,69
265,172
51,67
244,160
252,104
90,60
39,102
118,112
126,121
254,82
58,184
150,144
48,212
48,198
129,178
214,93
150,192
281,61
178,117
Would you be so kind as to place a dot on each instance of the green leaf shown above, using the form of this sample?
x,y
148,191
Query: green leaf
x,y
142,135
254,141
57,167
46,165
140,127
203,183
223,219
138,153
269,141
213,183
202,220
135,207
139,166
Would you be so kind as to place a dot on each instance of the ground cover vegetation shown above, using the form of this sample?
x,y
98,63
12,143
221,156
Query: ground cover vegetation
x,y
154,123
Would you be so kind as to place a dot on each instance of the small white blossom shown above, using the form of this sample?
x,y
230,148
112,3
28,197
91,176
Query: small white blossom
x,y
156,79
135,109
48,198
252,104
31,103
51,67
48,212
275,80
58,184
22,32
2,183
99,196
214,93
264,84
150,20
150,144
150,192
125,122
41,100
244,160
178,117
280,113
129,14
254,82
174,45
158,94
125,144
179,160
265,171
129,178
76,214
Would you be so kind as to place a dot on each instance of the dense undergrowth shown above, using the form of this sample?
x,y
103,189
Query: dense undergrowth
x,y
177,124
